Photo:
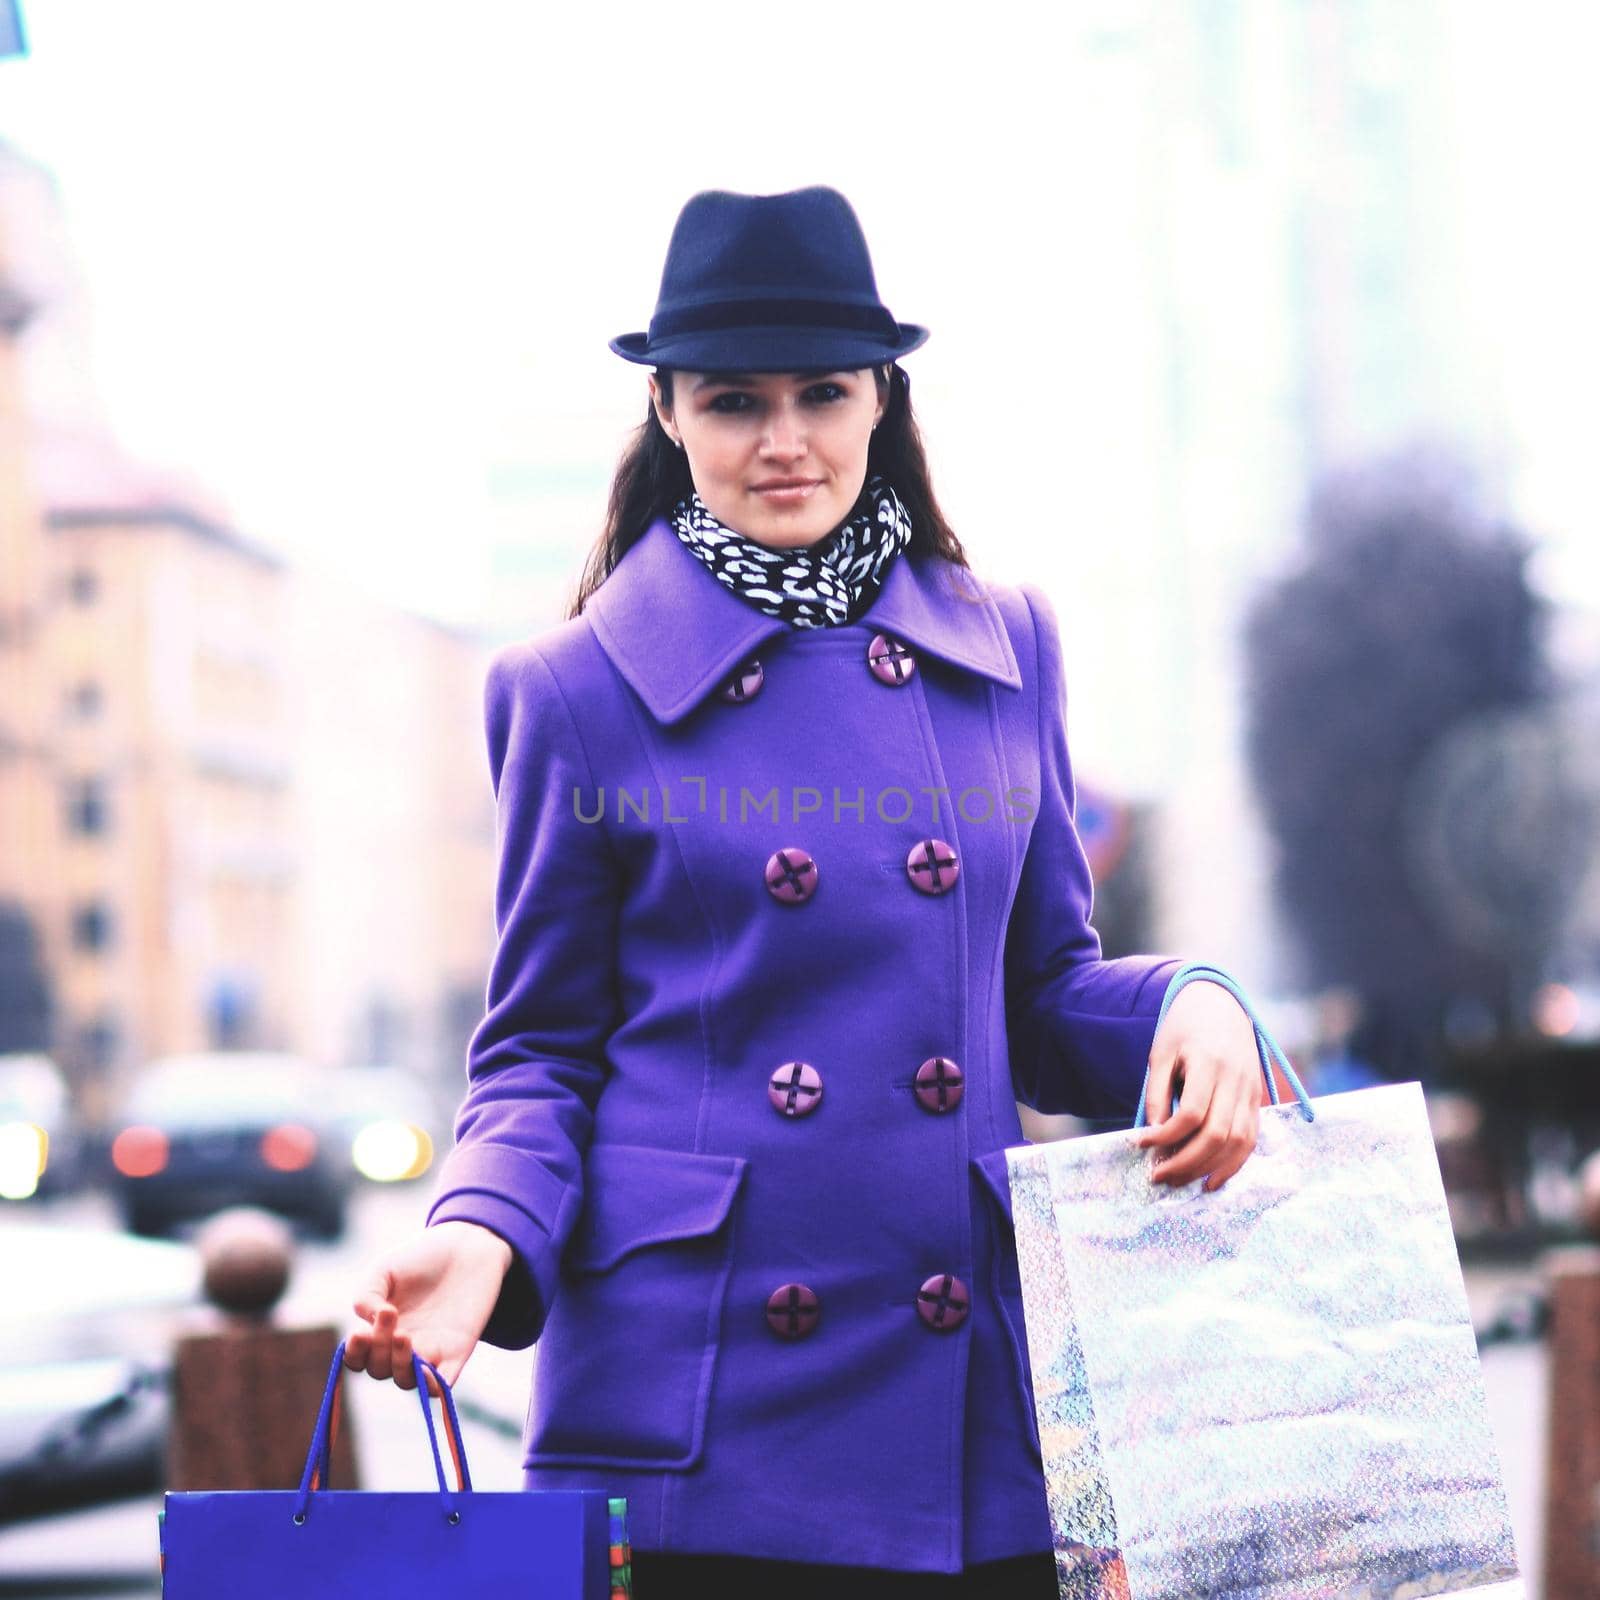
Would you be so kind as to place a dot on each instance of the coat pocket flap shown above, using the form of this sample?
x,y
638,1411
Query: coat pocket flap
x,y
997,1177
637,1195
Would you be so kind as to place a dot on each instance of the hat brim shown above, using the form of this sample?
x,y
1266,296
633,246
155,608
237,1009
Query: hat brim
x,y
769,349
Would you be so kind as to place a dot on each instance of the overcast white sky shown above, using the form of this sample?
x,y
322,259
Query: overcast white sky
x,y
347,256
356,259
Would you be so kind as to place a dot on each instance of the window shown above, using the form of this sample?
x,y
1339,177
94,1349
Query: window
x,y
88,813
232,1012
98,1042
91,926
84,700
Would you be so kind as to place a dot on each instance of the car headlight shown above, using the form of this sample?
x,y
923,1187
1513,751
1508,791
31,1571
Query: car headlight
x,y
24,1150
389,1152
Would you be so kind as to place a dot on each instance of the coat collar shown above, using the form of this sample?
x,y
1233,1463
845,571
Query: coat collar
x,y
675,632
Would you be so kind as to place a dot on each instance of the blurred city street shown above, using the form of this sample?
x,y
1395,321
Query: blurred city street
x,y
337,543
111,1550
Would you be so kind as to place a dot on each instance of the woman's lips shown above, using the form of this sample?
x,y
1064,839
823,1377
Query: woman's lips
x,y
789,495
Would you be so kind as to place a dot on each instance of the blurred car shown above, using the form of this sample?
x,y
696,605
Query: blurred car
x,y
202,1132
85,1349
390,1120
41,1149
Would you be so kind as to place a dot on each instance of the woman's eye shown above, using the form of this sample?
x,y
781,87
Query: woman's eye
x,y
734,401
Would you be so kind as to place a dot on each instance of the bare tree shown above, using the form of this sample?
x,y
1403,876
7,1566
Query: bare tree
x,y
1394,673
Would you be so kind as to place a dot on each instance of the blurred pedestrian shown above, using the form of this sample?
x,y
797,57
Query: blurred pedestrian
x,y
792,909
1339,1068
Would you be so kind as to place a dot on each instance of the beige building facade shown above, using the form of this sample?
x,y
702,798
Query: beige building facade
x,y
28,835
239,806
172,772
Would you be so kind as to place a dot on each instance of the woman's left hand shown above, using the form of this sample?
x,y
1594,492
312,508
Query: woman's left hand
x,y
1205,1052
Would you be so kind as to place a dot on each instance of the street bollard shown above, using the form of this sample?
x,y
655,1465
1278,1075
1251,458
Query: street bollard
x,y
1572,1483
242,1389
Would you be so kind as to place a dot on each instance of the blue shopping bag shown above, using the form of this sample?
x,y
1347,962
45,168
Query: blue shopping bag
x,y
315,1542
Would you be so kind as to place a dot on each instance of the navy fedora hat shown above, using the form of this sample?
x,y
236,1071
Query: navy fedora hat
x,y
769,283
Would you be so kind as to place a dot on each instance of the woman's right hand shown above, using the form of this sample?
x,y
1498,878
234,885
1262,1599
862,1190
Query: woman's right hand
x,y
432,1295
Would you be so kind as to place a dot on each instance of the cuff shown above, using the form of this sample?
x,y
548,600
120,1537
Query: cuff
x,y
518,1315
517,1197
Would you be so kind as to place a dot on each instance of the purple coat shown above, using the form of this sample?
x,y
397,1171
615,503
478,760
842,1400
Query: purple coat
x,y
780,948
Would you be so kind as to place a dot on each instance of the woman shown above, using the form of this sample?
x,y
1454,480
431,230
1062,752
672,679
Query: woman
x,y
792,910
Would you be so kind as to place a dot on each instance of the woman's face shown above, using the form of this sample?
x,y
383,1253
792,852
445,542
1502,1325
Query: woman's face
x,y
778,457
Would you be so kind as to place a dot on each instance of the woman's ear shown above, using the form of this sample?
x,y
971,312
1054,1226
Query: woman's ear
x,y
663,416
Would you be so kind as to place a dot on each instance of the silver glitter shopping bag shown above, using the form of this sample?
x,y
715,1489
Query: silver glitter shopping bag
x,y
1271,1391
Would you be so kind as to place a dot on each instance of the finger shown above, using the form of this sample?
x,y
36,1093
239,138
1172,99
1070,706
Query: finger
x,y
357,1350
358,1345
404,1375
379,1292
1199,1156
1238,1130
1202,1108
1194,1108
1175,1123
381,1362
1242,1146
1159,1090
370,1304
1182,1124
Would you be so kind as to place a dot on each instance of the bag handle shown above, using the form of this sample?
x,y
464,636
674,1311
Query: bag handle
x,y
458,1451
318,1457
1266,1045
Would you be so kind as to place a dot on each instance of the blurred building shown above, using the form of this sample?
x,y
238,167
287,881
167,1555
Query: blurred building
x,y
28,835
242,807
393,820
1273,284
167,691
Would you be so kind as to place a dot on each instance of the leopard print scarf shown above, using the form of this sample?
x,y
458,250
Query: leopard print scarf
x,y
815,586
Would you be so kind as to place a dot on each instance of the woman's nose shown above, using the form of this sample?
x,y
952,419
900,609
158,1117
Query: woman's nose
x,y
784,438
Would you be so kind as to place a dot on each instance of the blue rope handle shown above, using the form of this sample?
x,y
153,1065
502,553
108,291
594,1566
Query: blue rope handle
x,y
325,1479
320,1442
450,1410
1266,1045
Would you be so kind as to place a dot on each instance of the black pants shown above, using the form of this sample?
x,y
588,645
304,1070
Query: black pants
x,y
659,1576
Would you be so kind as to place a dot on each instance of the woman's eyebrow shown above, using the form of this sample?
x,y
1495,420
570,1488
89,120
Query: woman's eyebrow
x,y
743,380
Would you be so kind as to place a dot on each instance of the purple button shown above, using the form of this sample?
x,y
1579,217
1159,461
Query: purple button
x,y
795,1088
942,1302
891,661
932,866
792,1311
745,683
791,875
940,1084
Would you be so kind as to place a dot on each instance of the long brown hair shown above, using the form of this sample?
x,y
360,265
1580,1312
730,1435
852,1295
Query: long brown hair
x,y
653,475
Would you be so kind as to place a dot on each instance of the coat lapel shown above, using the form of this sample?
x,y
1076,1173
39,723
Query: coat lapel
x,y
675,632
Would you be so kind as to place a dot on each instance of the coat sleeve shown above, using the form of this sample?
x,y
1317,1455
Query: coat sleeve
x,y
1080,1027
536,1062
